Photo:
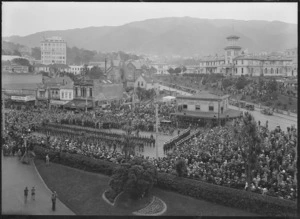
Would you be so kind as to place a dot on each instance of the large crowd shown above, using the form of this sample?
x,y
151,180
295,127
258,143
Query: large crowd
x,y
213,156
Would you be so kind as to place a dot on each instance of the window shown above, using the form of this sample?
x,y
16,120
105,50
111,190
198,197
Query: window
x,y
184,106
272,71
70,95
197,107
242,70
62,95
242,62
211,108
266,70
91,92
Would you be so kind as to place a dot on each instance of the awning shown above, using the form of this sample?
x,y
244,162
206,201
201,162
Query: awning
x,y
59,102
78,104
23,98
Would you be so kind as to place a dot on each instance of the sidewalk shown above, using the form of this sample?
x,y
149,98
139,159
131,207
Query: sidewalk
x,y
15,176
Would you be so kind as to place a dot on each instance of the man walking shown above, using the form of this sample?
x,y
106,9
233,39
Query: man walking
x,y
25,194
33,193
47,159
53,198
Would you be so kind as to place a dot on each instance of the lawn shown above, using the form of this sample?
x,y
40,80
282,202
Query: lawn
x,y
81,191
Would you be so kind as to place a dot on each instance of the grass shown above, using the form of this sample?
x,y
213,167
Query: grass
x,y
82,191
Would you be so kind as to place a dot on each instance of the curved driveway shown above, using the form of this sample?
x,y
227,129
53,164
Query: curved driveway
x,y
15,176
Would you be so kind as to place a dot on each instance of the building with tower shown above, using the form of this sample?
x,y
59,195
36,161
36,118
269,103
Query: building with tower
x,y
53,51
235,62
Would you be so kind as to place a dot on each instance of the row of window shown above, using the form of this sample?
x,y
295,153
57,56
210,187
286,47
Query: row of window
x,y
66,94
197,107
83,92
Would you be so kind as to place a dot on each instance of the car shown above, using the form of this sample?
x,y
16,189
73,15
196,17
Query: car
x,y
250,107
268,112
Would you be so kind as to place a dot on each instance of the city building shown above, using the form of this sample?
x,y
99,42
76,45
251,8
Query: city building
x,y
75,69
204,105
10,67
53,51
236,62
192,69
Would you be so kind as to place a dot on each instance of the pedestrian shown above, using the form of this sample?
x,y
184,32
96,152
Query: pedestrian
x,y
47,159
33,193
53,199
25,194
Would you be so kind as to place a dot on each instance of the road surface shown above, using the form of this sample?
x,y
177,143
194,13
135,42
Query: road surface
x,y
15,176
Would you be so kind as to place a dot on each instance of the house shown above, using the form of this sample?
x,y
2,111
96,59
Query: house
x,y
41,68
10,67
145,83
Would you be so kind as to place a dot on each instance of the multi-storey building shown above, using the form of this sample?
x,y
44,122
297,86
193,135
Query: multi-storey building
x,y
54,51
235,62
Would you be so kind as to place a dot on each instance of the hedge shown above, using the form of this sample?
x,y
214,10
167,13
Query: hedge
x,y
76,161
249,201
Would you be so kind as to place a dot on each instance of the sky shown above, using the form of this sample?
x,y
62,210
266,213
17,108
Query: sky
x,y
24,18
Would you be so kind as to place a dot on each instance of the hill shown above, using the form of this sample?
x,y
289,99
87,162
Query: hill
x,y
174,35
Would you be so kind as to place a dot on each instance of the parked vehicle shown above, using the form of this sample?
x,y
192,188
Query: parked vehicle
x,y
250,107
268,112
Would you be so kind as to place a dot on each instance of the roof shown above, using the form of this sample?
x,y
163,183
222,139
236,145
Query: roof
x,y
58,66
263,58
40,65
230,112
9,58
30,79
233,37
232,47
203,95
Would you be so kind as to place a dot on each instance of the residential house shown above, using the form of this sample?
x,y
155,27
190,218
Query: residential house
x,y
41,68
145,83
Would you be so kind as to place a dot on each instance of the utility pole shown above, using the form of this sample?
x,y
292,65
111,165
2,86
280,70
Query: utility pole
x,y
3,114
156,116
219,112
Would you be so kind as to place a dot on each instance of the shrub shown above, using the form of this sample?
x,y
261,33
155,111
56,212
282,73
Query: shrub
x,y
243,97
263,205
181,168
269,103
76,161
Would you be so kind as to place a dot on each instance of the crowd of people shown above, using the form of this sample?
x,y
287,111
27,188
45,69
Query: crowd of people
x,y
216,157
213,156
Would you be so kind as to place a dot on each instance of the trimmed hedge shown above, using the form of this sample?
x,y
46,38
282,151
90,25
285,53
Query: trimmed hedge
x,y
249,201
76,161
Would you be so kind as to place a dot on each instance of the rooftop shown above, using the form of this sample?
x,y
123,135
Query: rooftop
x,y
203,95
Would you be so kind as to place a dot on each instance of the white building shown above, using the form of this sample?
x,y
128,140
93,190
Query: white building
x,y
145,83
66,92
162,68
236,63
54,51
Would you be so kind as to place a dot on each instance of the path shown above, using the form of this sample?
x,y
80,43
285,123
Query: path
x,y
15,176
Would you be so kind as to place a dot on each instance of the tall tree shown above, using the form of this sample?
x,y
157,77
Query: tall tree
x,y
36,53
249,142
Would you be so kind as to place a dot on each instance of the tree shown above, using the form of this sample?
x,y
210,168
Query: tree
x,y
227,83
241,83
95,73
136,177
249,142
128,145
36,53
21,61
181,167
171,70
177,70
16,53
184,69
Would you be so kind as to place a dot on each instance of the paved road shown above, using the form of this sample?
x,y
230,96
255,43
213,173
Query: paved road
x,y
15,176
282,120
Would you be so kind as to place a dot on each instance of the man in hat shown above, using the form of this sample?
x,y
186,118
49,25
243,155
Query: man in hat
x,y
53,199
25,194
